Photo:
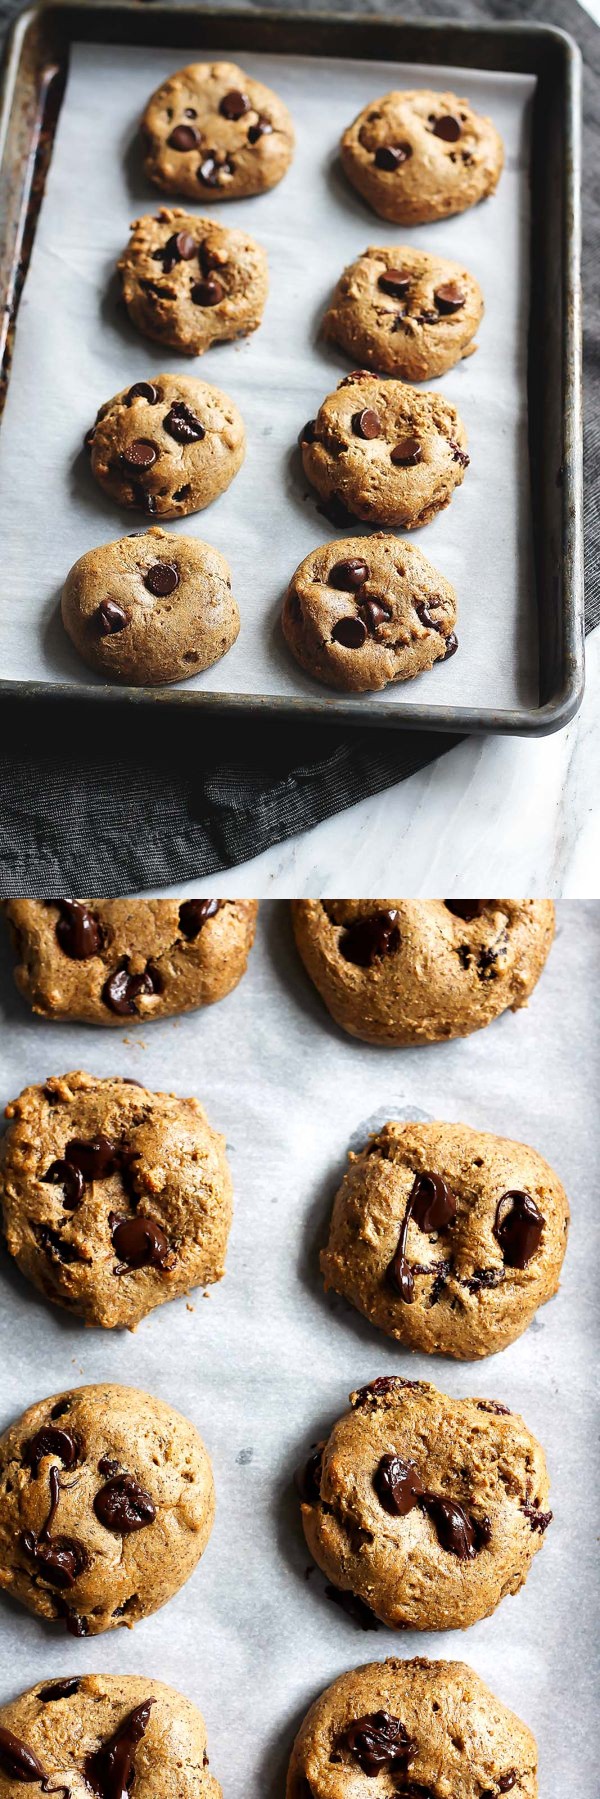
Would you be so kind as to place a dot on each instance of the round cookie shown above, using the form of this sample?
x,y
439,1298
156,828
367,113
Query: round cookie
x,y
446,1238
150,608
384,452
421,971
213,133
106,960
418,156
114,1199
427,1509
403,312
106,1505
416,1727
190,282
168,446
104,1733
359,613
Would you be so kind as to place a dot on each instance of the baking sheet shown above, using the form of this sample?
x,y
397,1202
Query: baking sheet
x,y
73,350
265,1364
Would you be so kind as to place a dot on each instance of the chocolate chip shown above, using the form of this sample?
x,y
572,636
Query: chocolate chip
x,y
262,128
184,137
207,293
396,282
308,433
492,1405
110,618
375,613
122,989
381,1388
180,247
353,1606
449,297
94,1158
234,105
367,423
189,112
484,1279
124,1506
454,1528
390,156
17,1761
55,1247
369,938
211,259
139,455
162,579
349,575
143,390
467,909
448,128
407,453
308,1478
451,647
62,1559
378,1741
538,1520
51,1440
78,931
398,1485
210,170
140,1242
193,915
459,455
110,1772
182,424
60,1174
518,1228
107,1466
60,1689
351,632
432,1206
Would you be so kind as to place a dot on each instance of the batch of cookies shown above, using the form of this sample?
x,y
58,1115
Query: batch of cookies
x,y
421,1510
154,607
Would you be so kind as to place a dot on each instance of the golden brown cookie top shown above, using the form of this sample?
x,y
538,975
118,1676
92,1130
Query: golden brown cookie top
x,y
68,1730
150,608
418,155
190,282
214,133
390,454
402,311
361,612
167,446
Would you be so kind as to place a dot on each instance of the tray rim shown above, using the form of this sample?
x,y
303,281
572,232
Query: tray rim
x,y
327,707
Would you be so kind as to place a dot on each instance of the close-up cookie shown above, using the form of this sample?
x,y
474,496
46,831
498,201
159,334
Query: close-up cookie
x,y
415,1727
113,1199
214,133
167,446
418,156
404,312
384,452
104,1734
427,1509
191,282
447,1238
359,613
106,1505
150,608
421,971
106,961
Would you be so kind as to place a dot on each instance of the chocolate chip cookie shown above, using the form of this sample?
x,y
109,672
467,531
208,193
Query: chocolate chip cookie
x,y
168,446
415,1727
421,971
359,613
114,1199
403,312
190,282
106,961
419,156
150,608
447,1238
212,132
106,1505
384,452
428,1509
103,1733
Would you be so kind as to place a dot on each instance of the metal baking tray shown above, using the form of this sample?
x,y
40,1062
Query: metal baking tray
x,y
36,71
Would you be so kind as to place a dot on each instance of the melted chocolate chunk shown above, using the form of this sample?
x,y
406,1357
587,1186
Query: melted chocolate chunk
x,y
398,1485
467,909
184,138
390,156
60,1174
308,433
110,618
55,1247
107,1465
162,579
94,1159
518,1228
111,1771
51,1440
375,613
210,170
537,1519
122,989
459,455
182,424
262,128
370,938
60,1689
351,632
17,1761
124,1506
61,1559
308,1478
432,1206
143,390
449,297
484,1278
353,1607
395,282
234,105
193,914
378,1741
180,247
448,128
367,423
454,1528
139,455
348,576
140,1242
208,293
407,453
380,1388
78,931
451,647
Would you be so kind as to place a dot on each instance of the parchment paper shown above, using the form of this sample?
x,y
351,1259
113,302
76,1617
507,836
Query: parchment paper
x,y
74,350
265,1363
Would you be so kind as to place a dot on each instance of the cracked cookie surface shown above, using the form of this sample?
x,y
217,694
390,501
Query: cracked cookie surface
x,y
421,971
359,613
426,1508
167,446
417,156
150,608
404,312
106,1506
213,133
114,1199
447,1238
415,1727
384,452
104,1733
191,282
106,960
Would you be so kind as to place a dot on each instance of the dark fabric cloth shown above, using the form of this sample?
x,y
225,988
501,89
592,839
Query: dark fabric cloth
x,y
107,803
